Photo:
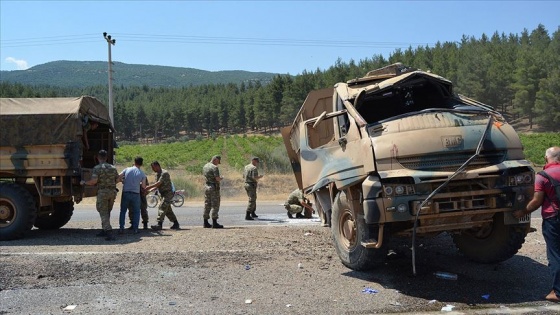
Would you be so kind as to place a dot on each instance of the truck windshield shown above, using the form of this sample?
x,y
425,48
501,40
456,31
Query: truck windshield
x,y
412,96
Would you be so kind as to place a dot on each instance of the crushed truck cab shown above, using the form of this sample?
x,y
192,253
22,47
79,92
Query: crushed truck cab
x,y
397,153
47,145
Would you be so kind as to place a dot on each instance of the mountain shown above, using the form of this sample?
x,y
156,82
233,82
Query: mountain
x,y
90,73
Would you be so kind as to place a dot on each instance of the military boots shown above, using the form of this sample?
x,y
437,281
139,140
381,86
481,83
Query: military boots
x,y
215,224
175,226
206,224
248,216
157,227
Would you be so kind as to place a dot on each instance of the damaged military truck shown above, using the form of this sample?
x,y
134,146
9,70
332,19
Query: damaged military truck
x,y
47,145
398,154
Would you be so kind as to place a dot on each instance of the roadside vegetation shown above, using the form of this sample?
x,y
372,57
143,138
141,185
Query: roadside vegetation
x,y
534,145
517,74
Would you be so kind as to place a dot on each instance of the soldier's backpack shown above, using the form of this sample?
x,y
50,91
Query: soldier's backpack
x,y
555,185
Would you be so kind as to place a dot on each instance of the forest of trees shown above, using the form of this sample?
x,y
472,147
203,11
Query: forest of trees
x,y
517,74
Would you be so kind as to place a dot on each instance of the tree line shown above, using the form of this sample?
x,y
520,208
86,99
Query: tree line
x,y
516,74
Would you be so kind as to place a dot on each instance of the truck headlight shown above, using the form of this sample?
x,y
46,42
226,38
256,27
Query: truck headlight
x,y
388,190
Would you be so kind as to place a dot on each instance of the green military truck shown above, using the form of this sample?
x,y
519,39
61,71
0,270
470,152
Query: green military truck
x,y
47,145
398,154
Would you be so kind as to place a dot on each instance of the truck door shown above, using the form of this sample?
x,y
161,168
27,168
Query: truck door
x,y
331,145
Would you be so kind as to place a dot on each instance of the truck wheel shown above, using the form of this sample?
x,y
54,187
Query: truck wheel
x,y
58,218
491,244
17,211
349,230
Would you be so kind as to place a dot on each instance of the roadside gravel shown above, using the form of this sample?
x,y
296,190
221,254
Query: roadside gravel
x,y
254,270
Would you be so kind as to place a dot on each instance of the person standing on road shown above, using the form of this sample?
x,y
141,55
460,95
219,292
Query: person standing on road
x,y
212,176
545,197
143,208
134,180
105,176
164,186
251,176
296,203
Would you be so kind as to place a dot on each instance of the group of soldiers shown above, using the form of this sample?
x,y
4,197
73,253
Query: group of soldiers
x,y
135,188
133,199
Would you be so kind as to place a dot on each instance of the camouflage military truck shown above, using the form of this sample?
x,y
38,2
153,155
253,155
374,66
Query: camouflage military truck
x,y
398,154
43,157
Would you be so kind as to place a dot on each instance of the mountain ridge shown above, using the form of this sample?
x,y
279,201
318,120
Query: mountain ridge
x,y
65,73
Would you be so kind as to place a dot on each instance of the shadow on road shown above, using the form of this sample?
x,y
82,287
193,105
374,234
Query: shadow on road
x,y
517,280
83,237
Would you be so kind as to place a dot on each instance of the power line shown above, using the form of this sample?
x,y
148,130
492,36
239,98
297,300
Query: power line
x,y
214,40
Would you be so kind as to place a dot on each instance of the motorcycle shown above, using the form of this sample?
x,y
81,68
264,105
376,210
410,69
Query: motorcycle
x,y
155,199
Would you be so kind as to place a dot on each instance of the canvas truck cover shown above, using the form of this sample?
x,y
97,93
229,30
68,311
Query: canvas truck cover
x,y
45,121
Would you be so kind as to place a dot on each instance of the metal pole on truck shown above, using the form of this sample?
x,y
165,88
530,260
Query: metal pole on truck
x,y
109,43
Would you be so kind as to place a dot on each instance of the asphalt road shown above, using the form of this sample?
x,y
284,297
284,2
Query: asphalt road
x,y
198,271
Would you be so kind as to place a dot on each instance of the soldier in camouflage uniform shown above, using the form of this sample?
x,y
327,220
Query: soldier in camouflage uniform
x,y
105,176
163,184
295,204
251,177
212,176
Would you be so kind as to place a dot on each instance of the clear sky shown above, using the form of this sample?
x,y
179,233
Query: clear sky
x,y
269,36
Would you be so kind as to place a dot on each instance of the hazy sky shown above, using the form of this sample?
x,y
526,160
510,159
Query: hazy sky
x,y
268,36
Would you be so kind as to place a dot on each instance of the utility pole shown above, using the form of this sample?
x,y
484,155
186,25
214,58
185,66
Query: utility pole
x,y
110,42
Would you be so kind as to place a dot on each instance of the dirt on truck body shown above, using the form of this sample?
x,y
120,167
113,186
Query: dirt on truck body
x,y
398,154
43,157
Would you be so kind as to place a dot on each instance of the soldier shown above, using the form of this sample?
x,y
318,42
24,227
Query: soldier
x,y
251,176
212,176
163,184
105,176
296,203
133,180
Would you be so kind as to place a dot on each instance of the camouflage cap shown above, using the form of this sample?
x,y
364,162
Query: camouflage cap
x,y
255,158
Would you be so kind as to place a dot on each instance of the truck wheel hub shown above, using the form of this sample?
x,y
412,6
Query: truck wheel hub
x,y
5,213
348,229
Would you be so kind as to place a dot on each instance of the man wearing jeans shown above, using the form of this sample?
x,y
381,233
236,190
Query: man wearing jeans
x,y
134,180
545,197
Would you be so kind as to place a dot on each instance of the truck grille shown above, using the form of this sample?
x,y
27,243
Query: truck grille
x,y
451,161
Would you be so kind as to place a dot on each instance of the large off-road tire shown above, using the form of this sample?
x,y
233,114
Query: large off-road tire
x,y
349,230
492,244
58,218
17,211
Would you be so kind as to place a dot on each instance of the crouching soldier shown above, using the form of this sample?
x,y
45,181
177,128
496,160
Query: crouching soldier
x,y
297,203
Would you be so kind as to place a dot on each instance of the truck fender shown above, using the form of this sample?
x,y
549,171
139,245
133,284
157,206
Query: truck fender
x,y
371,188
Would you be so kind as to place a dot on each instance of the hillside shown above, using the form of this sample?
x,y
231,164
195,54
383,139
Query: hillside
x,y
80,74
